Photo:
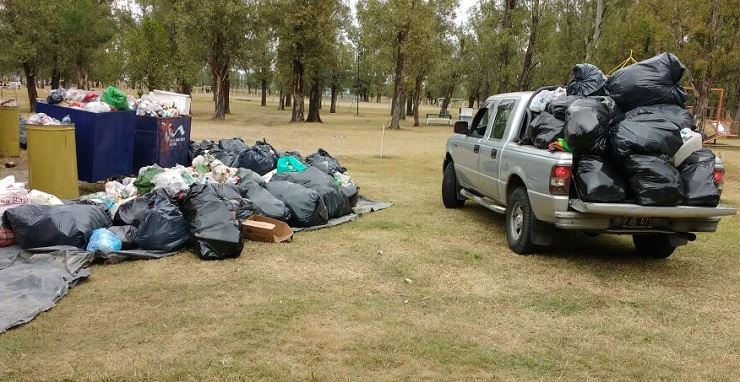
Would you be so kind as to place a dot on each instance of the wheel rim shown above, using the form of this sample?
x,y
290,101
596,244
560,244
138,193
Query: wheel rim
x,y
516,222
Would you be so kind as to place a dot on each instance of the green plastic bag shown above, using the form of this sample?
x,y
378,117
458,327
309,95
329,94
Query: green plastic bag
x,y
143,182
115,98
289,163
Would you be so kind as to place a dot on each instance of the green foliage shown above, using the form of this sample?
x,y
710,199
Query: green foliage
x,y
149,54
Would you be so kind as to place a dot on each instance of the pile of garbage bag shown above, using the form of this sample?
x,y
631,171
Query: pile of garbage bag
x,y
164,210
631,136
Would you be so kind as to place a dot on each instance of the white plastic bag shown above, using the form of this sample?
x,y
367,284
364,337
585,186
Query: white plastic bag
x,y
43,198
171,180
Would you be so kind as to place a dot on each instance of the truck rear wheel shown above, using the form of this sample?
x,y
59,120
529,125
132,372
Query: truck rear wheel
x,y
450,188
655,245
520,222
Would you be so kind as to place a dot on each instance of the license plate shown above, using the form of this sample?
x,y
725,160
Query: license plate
x,y
630,222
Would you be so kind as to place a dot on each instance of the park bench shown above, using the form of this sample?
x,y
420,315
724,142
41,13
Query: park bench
x,y
439,118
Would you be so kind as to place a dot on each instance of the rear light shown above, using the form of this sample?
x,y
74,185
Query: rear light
x,y
560,180
719,179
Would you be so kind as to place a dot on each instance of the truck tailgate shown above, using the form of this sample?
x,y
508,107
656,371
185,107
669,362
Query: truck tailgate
x,y
636,210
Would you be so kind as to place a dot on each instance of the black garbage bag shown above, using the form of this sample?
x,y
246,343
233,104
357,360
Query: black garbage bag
x,y
265,203
674,113
212,229
164,228
245,175
306,206
654,181
615,112
544,130
558,106
649,82
697,176
588,80
236,145
259,158
55,96
132,212
587,127
38,226
194,150
337,204
597,180
352,192
322,156
645,134
235,199
127,234
228,158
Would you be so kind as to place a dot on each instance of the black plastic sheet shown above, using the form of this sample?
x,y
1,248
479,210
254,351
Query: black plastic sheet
x,y
674,113
645,134
649,82
654,181
597,180
43,226
587,127
212,229
697,176
588,80
544,129
306,206
337,204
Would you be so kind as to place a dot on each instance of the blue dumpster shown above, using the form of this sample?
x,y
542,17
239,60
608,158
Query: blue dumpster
x,y
162,141
105,141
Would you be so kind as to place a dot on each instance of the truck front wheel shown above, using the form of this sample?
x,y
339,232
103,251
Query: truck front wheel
x,y
655,245
450,188
519,222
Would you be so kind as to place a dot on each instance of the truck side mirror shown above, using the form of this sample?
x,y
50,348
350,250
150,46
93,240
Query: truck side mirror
x,y
461,127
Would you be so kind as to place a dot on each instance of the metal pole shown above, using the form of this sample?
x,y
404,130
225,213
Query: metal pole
x,y
357,95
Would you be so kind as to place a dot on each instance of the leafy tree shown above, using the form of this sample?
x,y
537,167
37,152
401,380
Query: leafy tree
x,y
149,54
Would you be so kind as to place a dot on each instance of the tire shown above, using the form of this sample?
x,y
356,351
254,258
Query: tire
x,y
450,188
654,245
520,222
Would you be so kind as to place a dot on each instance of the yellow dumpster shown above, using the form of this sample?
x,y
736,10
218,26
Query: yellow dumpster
x,y
10,131
52,160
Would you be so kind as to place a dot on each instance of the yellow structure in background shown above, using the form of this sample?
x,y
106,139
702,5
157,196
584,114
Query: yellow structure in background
x,y
52,160
10,131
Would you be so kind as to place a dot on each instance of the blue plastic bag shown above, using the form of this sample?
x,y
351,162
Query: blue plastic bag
x,y
104,240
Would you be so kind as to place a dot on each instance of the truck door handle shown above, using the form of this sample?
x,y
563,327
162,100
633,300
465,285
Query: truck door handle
x,y
476,148
493,153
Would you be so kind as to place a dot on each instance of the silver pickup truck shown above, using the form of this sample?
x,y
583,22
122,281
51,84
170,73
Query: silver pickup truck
x,y
532,187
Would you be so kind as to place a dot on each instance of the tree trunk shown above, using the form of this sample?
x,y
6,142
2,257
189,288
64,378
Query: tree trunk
x,y
527,66
288,102
736,104
705,83
399,87
220,71
185,87
30,73
56,76
314,101
83,81
227,90
334,92
297,115
417,99
263,101
281,103
593,41
409,104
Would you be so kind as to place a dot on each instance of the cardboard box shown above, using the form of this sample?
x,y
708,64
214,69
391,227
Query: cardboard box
x,y
261,228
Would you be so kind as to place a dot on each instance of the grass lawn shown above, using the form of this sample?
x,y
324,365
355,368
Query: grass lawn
x,y
414,292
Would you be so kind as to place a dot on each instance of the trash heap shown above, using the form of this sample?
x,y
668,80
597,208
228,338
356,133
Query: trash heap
x,y
112,99
631,136
164,210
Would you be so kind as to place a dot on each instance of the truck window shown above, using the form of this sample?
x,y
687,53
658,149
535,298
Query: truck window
x,y
480,122
502,119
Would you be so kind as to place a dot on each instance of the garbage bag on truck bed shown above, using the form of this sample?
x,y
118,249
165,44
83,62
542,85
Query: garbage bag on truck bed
x,y
697,176
649,82
654,181
587,127
674,113
588,80
598,181
544,129
558,106
645,134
